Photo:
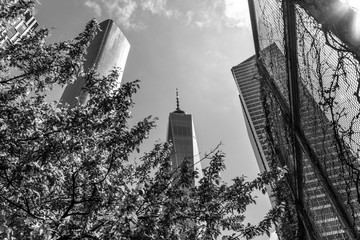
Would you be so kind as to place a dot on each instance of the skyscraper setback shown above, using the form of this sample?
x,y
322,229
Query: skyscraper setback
x,y
246,77
109,49
181,134
300,99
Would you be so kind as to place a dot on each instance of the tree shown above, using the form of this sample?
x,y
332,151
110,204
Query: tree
x,y
65,172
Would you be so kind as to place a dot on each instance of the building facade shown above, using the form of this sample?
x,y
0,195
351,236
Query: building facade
x,y
108,49
181,134
300,99
247,80
13,31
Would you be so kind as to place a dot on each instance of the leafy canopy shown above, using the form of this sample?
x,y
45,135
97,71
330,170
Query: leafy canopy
x,y
65,172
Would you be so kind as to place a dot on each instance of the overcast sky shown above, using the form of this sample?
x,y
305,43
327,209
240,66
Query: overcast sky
x,y
186,44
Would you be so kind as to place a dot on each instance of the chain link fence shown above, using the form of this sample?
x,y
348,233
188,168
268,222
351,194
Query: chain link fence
x,y
325,143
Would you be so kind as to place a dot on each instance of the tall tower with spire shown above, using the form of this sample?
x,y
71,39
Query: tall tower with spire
x,y
181,134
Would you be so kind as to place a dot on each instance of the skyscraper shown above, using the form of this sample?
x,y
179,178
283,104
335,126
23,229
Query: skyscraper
x,y
300,97
107,50
181,133
246,77
17,28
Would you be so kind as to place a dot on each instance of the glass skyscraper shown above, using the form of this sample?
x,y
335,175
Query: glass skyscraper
x,y
107,50
181,134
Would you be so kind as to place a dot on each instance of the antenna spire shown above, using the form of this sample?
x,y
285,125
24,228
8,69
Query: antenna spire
x,y
177,101
178,110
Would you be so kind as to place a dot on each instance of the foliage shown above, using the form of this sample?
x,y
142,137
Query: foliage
x,y
65,173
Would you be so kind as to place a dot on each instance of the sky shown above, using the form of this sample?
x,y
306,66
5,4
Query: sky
x,y
185,44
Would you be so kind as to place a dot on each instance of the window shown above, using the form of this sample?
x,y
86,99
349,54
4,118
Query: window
x,y
21,28
11,32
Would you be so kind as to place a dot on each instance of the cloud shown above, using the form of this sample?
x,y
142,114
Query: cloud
x,y
200,14
122,11
189,15
218,14
217,55
154,6
208,15
95,7
236,13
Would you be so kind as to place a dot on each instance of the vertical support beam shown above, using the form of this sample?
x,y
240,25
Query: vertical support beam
x,y
303,216
254,27
289,18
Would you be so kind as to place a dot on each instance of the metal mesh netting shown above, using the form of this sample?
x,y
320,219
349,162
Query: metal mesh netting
x,y
329,133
